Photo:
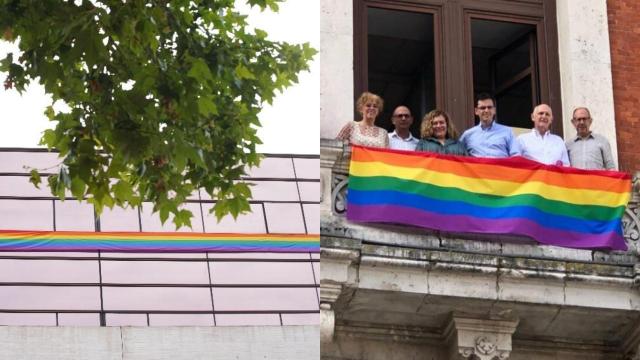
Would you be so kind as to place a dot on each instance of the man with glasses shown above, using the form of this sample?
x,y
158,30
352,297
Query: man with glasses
x,y
401,138
488,138
588,150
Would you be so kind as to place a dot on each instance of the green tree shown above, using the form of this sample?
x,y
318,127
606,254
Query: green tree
x,y
163,95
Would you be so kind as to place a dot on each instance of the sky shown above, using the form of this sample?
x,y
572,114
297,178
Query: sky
x,y
290,126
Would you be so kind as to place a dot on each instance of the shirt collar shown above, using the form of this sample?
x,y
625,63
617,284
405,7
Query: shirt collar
x,y
578,138
537,133
395,135
488,127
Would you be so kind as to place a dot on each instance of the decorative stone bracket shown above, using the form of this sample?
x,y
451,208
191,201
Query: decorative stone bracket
x,y
480,339
328,295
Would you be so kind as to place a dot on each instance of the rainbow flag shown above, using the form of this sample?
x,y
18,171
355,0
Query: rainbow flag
x,y
553,205
156,242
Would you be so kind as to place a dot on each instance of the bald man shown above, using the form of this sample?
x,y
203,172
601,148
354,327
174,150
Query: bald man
x,y
401,138
540,144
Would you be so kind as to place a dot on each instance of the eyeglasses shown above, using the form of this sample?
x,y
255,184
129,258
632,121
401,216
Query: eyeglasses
x,y
485,107
402,115
582,119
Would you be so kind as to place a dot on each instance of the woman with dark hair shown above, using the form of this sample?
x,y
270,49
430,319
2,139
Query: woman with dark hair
x,y
439,135
365,132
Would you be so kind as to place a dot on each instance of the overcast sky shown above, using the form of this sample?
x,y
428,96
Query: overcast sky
x,y
290,126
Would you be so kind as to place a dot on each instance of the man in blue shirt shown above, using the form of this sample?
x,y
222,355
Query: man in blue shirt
x,y
488,138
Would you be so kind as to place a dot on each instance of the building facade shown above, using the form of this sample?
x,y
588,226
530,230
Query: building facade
x,y
391,292
159,305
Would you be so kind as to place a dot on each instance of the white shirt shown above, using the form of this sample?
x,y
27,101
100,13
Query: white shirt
x,y
547,149
398,143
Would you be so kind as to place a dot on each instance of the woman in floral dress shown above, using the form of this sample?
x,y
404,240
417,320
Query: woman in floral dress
x,y
364,132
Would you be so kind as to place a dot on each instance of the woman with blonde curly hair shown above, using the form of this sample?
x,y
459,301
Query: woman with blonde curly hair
x,y
439,135
365,132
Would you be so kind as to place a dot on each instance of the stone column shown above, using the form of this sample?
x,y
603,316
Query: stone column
x,y
479,339
585,59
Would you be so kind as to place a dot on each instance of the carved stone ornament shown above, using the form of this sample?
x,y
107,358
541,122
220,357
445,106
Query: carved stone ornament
x,y
339,184
631,218
484,346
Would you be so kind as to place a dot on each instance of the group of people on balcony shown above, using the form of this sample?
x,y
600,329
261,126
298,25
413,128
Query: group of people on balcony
x,y
438,134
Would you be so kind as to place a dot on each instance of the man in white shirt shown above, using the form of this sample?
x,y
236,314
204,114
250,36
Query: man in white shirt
x,y
401,138
540,144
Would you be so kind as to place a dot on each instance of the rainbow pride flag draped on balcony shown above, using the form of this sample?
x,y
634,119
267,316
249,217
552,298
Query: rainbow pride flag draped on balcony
x,y
156,242
553,205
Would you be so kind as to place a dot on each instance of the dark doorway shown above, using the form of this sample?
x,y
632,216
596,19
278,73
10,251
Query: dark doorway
x,y
401,62
505,64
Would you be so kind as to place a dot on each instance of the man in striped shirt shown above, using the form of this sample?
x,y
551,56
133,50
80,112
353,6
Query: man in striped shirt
x,y
588,150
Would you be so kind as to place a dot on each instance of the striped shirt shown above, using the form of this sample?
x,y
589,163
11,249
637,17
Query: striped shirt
x,y
592,152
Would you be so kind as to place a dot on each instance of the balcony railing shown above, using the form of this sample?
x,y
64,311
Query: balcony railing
x,y
335,157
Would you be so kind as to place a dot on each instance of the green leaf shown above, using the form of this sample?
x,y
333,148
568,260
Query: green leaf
x,y
206,106
243,73
34,178
200,70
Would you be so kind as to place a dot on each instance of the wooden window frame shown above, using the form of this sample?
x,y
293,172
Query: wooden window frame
x,y
452,48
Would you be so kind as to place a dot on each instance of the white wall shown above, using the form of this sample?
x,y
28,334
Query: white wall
x,y
336,67
149,343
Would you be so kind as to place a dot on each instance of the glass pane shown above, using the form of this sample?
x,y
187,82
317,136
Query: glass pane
x,y
401,62
502,67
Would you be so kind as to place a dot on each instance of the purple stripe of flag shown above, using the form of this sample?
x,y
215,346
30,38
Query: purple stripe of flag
x,y
463,224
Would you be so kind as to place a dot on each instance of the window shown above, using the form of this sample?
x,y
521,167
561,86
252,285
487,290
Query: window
x,y
434,53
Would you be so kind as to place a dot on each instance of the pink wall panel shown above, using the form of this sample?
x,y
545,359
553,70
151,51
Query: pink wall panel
x,y
247,319
126,319
274,191
23,319
307,168
309,191
316,272
261,273
284,218
156,298
273,168
26,215
118,219
151,221
67,319
154,272
301,319
312,218
265,299
50,298
259,255
56,254
180,320
60,271
20,186
72,215
126,255
15,162
250,223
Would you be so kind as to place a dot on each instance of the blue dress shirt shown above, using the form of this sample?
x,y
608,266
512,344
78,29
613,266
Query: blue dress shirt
x,y
495,141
